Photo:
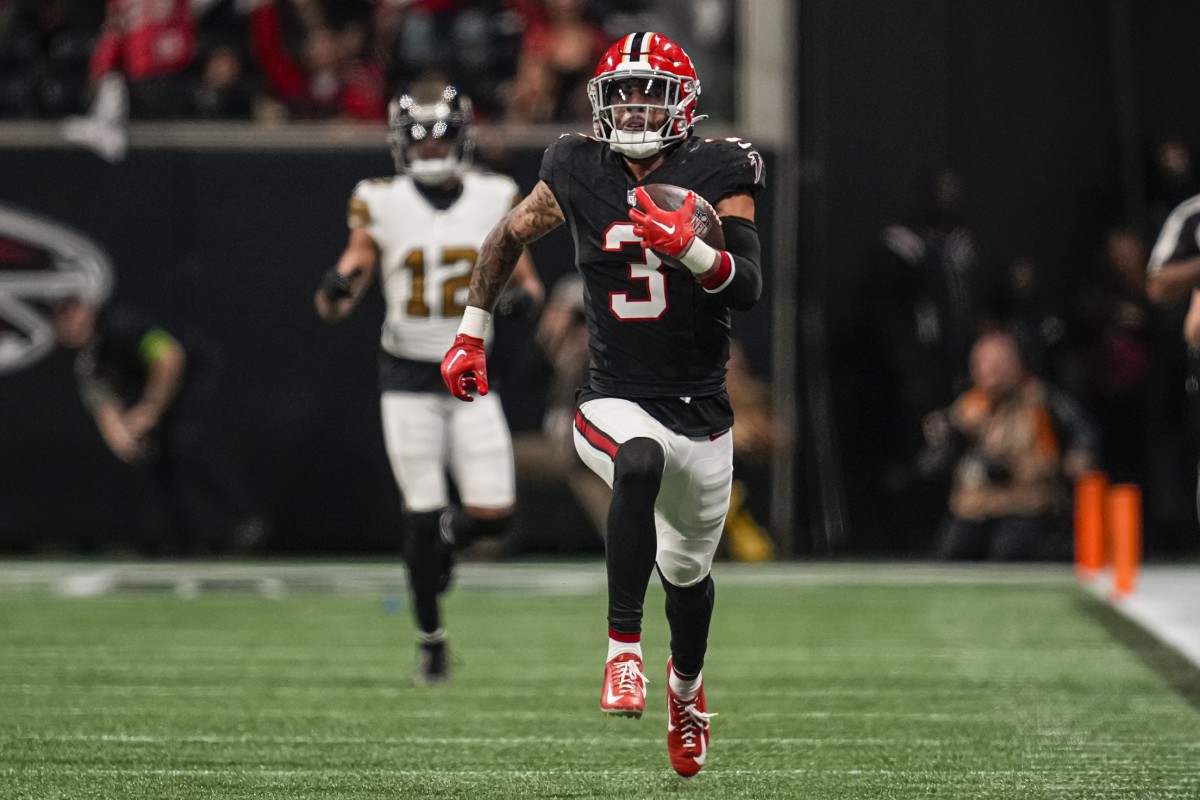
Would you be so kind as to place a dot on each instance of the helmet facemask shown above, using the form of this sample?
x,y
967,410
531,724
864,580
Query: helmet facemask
x,y
659,116
447,118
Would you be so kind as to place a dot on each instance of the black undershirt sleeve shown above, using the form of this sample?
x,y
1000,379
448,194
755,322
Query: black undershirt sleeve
x,y
741,242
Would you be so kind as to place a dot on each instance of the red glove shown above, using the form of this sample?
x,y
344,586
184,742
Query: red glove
x,y
665,232
464,369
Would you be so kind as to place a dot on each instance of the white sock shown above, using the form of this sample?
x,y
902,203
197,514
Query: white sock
x,y
436,637
685,690
616,648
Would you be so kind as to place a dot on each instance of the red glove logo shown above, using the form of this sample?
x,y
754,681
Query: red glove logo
x,y
665,232
464,369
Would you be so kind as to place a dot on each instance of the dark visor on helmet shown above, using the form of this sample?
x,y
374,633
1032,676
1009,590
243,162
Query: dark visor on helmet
x,y
622,92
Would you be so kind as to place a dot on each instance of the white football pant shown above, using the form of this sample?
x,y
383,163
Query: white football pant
x,y
689,514
428,434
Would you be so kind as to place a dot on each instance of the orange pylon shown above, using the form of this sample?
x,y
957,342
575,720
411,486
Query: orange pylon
x,y
1090,489
1123,507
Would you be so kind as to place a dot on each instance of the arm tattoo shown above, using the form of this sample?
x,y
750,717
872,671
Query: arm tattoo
x,y
532,219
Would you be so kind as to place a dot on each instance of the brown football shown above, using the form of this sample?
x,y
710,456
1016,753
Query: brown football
x,y
705,221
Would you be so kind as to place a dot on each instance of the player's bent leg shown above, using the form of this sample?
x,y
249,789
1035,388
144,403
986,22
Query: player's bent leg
x,y
424,555
631,540
630,545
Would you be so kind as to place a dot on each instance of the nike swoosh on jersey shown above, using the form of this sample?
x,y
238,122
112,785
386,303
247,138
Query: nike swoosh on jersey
x,y
670,229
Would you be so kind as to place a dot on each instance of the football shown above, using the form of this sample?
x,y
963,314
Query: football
x,y
705,221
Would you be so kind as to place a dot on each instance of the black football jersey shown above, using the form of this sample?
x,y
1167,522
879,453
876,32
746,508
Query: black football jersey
x,y
654,331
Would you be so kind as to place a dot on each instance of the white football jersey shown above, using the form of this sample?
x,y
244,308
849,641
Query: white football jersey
x,y
426,255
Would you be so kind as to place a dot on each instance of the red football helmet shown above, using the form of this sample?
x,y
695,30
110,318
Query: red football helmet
x,y
642,77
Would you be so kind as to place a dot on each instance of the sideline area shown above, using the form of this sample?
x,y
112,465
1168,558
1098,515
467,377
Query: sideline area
x,y
1165,602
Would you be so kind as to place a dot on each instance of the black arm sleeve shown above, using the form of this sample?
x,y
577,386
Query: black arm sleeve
x,y
744,286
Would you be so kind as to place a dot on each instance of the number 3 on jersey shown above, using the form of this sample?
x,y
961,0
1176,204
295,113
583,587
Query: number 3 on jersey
x,y
414,263
618,235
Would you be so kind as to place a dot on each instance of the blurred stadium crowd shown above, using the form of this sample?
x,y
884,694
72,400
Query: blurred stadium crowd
x,y
269,60
1108,376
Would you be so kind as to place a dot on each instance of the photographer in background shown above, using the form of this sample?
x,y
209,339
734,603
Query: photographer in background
x,y
149,397
1014,444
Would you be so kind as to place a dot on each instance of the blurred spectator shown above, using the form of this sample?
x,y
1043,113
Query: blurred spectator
x,y
1118,350
1014,444
149,398
222,91
476,42
1173,179
549,456
1020,305
337,75
756,435
330,58
558,57
924,313
150,43
45,47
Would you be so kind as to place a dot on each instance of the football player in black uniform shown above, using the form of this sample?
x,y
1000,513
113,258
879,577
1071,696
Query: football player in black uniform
x,y
654,420
1173,273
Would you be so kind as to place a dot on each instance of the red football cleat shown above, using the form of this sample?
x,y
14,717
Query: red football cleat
x,y
687,730
624,692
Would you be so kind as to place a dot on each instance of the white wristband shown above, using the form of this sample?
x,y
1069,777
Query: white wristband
x,y
698,257
475,322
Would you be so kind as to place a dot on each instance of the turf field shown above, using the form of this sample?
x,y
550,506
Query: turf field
x,y
837,682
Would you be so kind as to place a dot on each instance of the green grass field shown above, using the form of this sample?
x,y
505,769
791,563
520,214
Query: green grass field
x,y
856,684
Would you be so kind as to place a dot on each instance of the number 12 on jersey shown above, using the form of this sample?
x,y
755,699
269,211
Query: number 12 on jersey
x,y
414,263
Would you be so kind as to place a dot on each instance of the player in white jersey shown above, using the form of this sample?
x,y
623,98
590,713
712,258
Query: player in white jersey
x,y
419,232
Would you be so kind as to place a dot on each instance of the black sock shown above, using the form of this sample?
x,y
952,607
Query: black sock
x,y
423,554
631,541
689,612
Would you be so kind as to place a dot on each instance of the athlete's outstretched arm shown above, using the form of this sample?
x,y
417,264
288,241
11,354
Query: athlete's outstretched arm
x,y
464,369
342,287
530,220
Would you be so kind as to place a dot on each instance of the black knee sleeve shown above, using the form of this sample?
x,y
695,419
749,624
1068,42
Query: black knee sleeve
x,y
640,463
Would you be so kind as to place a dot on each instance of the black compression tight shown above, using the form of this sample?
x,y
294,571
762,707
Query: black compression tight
x,y
423,555
631,540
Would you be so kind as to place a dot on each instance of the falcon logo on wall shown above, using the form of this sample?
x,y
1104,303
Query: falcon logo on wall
x,y
42,261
